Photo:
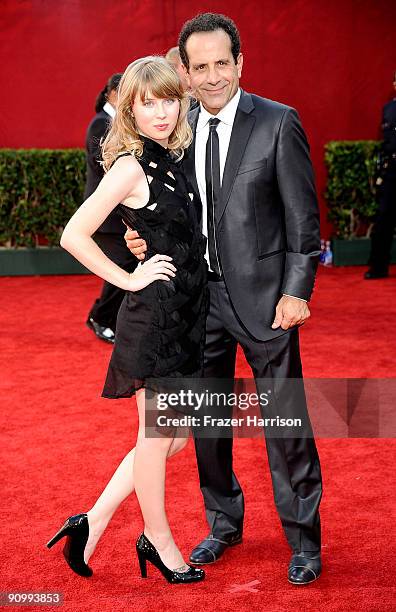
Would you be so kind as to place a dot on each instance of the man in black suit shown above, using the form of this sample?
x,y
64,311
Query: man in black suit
x,y
250,168
103,314
385,223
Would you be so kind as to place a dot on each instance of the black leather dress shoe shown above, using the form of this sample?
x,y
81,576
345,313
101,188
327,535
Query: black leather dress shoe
x,y
304,567
212,548
104,333
373,274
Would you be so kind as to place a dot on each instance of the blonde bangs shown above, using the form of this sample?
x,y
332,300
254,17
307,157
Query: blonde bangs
x,y
145,77
157,82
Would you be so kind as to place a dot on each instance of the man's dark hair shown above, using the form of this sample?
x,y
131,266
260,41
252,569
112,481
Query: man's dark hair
x,y
209,22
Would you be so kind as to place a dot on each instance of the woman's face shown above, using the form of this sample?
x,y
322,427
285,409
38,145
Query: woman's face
x,y
156,117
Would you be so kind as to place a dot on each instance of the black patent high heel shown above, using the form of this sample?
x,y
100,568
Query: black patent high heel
x,y
147,552
76,529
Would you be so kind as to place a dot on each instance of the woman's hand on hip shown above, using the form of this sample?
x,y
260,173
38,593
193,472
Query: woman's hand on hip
x,y
158,267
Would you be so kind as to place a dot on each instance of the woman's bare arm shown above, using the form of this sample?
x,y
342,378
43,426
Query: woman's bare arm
x,y
122,181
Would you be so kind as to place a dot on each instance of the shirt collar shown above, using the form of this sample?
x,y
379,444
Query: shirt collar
x,y
109,109
226,115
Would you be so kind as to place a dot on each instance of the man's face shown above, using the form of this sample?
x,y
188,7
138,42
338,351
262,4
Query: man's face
x,y
112,98
214,76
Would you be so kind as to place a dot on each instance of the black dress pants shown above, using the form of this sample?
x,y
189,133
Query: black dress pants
x,y
293,461
385,223
105,308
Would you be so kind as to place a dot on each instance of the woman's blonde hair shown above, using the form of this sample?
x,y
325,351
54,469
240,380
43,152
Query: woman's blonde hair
x,y
149,75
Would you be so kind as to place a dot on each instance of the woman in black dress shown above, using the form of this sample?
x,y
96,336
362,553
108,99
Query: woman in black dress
x,y
160,324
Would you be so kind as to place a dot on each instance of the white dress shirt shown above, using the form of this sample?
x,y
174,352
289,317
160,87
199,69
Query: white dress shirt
x,y
224,129
109,109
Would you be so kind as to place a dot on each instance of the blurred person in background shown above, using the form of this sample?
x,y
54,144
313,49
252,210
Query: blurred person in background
x,y
173,57
384,227
103,314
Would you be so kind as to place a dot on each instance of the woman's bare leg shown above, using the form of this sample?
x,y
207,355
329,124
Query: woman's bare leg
x,y
120,486
149,473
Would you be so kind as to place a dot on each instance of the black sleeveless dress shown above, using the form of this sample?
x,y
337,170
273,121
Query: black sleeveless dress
x,y
160,329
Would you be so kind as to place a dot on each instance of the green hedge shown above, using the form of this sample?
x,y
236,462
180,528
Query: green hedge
x,y
41,188
351,192
39,191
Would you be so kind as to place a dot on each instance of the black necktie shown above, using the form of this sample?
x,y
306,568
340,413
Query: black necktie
x,y
212,176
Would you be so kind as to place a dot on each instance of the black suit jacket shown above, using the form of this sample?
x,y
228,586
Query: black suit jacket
x,y
267,223
96,130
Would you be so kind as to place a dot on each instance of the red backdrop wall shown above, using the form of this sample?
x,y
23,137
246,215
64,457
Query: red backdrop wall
x,y
333,61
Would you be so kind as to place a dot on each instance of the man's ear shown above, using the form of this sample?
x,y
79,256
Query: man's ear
x,y
239,64
186,75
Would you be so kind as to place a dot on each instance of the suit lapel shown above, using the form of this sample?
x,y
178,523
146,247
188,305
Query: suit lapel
x,y
241,130
189,161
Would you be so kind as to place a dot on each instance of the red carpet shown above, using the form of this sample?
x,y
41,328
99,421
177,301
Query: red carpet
x,y
61,442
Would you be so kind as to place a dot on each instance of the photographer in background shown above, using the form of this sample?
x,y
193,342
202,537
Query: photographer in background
x,y
384,227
